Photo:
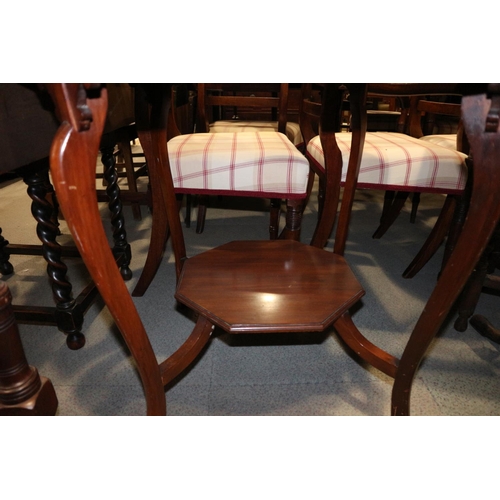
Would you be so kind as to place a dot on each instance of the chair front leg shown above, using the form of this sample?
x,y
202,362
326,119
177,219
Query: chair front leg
x,y
293,224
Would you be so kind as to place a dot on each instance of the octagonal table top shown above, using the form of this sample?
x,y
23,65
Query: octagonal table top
x,y
268,286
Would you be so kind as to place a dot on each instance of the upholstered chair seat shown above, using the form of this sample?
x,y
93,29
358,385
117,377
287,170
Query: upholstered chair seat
x,y
257,164
292,128
446,140
401,162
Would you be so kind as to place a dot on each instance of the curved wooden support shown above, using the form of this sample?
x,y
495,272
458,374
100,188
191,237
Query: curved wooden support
x,y
458,219
203,202
435,238
389,216
151,122
188,352
481,121
73,160
372,354
470,295
415,201
159,225
483,326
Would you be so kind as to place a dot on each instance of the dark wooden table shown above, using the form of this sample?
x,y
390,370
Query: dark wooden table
x,y
82,110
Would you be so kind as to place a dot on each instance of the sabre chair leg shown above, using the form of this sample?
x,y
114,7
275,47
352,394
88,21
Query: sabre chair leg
x,y
274,218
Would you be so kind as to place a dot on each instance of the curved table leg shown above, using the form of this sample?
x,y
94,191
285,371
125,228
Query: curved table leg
x,y
72,161
482,126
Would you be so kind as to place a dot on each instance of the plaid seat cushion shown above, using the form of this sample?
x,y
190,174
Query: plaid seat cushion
x,y
446,140
292,129
244,163
399,162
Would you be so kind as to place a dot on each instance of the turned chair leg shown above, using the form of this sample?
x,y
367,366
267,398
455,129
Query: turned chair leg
x,y
68,312
121,249
126,150
293,224
6,267
22,390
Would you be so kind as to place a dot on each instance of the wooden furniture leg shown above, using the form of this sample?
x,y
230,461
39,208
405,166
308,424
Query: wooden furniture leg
x,y
203,201
68,312
121,249
72,162
478,279
482,126
483,326
6,267
274,218
125,147
293,224
22,390
471,293
435,238
390,212
159,226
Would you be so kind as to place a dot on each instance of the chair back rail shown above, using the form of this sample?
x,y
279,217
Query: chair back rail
x,y
242,95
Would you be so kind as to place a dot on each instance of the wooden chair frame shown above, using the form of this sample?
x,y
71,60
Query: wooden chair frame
x,y
77,143
241,95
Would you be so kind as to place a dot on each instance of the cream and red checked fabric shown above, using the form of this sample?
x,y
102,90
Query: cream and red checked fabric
x,y
292,128
263,164
446,140
399,162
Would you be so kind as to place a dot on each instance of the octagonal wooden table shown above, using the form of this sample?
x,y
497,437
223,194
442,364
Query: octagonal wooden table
x,y
268,286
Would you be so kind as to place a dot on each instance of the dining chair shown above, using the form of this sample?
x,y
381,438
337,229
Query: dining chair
x,y
182,120
257,164
266,286
437,121
244,107
117,158
432,120
394,162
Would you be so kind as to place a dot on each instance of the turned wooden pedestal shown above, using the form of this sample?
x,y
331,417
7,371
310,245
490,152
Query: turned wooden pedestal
x,y
22,390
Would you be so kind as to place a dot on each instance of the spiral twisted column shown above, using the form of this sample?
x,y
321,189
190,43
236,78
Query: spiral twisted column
x,y
68,313
5,266
121,249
